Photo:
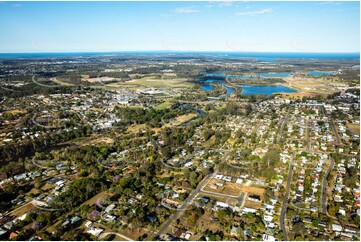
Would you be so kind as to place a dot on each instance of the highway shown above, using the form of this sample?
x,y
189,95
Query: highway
x,y
285,201
325,186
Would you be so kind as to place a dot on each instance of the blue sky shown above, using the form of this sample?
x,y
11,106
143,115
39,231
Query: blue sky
x,y
182,26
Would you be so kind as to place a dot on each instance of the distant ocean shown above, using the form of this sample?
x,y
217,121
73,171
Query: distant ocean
x,y
262,56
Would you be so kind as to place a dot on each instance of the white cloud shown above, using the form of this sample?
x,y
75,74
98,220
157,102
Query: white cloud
x,y
185,10
263,11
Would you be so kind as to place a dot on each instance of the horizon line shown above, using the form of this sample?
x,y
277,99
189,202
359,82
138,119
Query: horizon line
x,y
185,51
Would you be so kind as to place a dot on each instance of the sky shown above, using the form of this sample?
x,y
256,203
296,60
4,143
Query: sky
x,y
179,26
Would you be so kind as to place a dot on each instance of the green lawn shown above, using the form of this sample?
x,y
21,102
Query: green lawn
x,y
162,106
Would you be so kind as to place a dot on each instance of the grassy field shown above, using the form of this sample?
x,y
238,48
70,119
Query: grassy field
x,y
162,106
15,112
355,128
252,204
93,140
62,83
181,119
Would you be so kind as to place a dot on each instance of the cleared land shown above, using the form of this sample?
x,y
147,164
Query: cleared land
x,y
152,81
229,188
355,128
253,190
181,119
308,86
94,141
22,210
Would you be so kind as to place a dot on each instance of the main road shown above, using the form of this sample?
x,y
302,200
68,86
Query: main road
x,y
285,201
325,186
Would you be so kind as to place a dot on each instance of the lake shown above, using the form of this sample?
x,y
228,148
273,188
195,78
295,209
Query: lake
x,y
321,73
280,74
246,89
265,90
207,87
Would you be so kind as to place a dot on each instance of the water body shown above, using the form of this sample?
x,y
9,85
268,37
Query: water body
x,y
280,74
265,90
208,87
321,73
240,77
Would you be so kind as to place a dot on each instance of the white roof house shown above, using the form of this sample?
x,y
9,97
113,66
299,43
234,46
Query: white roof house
x,y
336,227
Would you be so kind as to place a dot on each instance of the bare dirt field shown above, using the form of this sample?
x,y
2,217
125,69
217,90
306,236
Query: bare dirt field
x,y
22,210
253,190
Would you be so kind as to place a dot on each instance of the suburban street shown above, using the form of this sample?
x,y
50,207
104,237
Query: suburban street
x,y
325,186
285,201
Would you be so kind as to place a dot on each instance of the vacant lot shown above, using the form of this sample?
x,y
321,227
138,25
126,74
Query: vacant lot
x,y
220,198
252,204
229,188
355,128
253,190
21,210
